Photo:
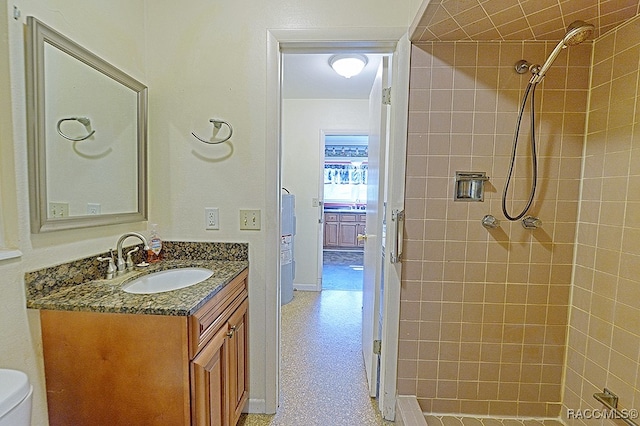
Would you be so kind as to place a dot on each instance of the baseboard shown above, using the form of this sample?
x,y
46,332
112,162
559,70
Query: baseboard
x,y
255,406
305,287
408,412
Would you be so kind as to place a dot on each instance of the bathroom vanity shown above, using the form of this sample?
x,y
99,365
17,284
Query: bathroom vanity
x,y
173,358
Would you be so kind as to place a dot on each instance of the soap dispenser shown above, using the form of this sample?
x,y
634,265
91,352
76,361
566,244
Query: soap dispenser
x,y
155,245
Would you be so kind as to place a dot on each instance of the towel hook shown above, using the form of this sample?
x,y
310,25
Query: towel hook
x,y
82,120
217,124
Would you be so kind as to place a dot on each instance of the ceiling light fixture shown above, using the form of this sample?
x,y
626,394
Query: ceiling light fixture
x,y
348,65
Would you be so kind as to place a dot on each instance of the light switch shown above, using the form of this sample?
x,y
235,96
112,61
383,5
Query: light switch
x,y
250,219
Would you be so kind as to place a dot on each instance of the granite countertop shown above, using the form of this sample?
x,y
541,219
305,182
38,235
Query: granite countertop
x,y
102,295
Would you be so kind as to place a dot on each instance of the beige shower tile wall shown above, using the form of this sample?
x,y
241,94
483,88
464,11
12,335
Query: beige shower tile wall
x,y
484,313
604,329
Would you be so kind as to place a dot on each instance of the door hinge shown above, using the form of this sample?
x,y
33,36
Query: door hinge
x,y
386,96
377,347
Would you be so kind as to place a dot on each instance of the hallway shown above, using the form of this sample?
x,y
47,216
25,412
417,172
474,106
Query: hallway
x,y
322,373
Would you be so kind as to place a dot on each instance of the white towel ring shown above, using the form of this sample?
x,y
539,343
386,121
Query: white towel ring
x,y
217,124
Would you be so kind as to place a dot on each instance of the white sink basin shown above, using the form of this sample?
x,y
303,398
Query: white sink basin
x,y
171,279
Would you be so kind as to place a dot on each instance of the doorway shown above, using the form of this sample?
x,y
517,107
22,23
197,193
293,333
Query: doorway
x,y
279,42
344,172
339,195
321,108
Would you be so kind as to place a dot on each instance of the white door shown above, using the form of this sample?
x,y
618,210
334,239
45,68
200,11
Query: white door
x,y
394,202
371,326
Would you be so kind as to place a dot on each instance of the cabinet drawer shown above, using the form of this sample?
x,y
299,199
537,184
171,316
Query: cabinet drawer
x,y
348,217
331,217
207,320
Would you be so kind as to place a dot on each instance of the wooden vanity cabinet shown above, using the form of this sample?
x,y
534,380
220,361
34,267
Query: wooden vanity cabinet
x,y
219,379
133,369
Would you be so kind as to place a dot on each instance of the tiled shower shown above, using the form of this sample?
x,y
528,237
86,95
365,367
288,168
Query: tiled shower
x,y
604,325
492,321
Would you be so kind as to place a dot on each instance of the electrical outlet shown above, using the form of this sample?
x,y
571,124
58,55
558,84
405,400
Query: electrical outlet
x,y
58,210
93,208
250,219
211,218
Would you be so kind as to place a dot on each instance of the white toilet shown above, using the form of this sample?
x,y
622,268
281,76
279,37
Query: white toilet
x,y
15,398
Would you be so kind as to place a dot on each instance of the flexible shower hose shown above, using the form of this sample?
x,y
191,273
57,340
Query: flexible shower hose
x,y
531,89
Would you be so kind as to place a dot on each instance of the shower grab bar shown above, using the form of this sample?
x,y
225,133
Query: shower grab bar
x,y
397,216
216,124
610,401
82,120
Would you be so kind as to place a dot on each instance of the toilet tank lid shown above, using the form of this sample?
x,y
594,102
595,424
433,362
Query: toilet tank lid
x,y
14,387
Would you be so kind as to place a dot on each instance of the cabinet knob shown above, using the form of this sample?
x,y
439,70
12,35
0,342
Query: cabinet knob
x,y
231,332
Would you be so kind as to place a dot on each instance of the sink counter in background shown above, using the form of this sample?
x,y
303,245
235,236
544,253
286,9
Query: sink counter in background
x,y
80,285
338,207
343,210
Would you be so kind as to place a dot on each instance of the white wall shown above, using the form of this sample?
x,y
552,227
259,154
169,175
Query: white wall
x,y
200,59
302,124
208,59
115,31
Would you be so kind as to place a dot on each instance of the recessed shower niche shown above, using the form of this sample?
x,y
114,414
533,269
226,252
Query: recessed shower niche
x,y
470,186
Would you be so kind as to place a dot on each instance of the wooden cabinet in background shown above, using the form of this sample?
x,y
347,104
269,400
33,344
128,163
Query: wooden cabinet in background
x,y
109,368
331,230
341,229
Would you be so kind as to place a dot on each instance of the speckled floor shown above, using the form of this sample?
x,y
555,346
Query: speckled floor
x,y
473,421
323,381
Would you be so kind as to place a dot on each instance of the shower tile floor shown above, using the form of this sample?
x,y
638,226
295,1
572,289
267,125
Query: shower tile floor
x,y
487,421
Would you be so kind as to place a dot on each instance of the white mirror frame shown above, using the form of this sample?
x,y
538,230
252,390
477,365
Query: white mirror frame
x,y
37,35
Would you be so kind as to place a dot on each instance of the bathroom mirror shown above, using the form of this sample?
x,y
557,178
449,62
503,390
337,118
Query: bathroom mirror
x,y
86,135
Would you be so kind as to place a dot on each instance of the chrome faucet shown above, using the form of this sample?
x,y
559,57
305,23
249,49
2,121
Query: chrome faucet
x,y
120,263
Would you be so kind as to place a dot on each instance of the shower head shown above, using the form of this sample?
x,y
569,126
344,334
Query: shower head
x,y
577,32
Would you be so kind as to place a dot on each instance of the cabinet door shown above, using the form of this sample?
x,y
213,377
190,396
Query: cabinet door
x,y
238,361
348,234
210,382
115,369
331,234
